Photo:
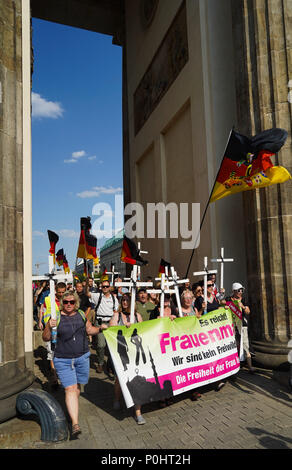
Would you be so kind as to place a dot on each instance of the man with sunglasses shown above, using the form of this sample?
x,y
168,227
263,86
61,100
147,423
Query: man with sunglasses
x,y
105,305
236,303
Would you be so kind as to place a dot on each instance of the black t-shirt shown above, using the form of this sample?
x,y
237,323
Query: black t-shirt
x,y
84,302
210,305
155,313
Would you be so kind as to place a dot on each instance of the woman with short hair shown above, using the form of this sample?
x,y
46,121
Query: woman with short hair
x,y
187,307
71,355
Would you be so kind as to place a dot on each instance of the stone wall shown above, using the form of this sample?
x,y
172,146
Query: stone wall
x,y
263,63
13,374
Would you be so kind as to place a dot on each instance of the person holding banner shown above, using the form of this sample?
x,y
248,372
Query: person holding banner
x,y
212,302
71,355
219,294
122,318
169,309
187,299
235,302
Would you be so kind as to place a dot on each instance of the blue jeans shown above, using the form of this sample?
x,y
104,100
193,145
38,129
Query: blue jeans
x,y
73,371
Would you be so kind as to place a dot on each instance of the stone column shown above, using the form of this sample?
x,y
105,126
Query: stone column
x,y
14,377
263,64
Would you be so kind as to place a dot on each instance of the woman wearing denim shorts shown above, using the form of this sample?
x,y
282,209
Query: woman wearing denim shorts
x,y
71,355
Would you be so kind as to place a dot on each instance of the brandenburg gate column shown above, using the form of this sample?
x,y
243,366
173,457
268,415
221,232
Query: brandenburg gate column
x,y
14,375
263,64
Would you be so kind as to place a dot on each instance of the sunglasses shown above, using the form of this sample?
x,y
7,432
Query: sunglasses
x,y
71,302
125,300
104,287
210,285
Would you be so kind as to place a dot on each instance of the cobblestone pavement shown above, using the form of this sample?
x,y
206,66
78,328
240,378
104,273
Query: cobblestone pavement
x,y
252,412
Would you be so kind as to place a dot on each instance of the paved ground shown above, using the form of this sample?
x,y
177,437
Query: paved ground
x,y
254,412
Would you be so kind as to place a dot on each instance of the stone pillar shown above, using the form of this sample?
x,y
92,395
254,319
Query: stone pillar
x,y
14,377
263,64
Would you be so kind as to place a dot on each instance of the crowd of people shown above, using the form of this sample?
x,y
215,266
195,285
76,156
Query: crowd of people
x,y
85,310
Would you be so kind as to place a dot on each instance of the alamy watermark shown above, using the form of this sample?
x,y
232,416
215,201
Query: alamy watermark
x,y
151,220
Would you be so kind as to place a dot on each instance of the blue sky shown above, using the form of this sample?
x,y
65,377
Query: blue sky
x,y
76,134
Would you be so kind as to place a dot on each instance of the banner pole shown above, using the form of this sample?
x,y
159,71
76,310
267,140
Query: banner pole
x,y
205,211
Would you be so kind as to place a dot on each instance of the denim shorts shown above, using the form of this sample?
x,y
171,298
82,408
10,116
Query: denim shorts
x,y
73,371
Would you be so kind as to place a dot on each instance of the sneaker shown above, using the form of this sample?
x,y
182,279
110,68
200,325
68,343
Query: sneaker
x,y
195,396
219,386
116,405
140,420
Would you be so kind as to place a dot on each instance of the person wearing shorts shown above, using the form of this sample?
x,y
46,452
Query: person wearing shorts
x,y
71,355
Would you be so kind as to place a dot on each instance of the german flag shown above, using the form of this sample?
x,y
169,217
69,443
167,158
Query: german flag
x,y
247,164
65,265
163,265
87,241
85,226
91,244
130,253
53,239
60,257
84,267
104,276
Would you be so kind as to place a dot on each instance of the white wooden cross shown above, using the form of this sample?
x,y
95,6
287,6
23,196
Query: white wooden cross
x,y
169,285
112,273
205,274
139,267
132,285
222,260
52,277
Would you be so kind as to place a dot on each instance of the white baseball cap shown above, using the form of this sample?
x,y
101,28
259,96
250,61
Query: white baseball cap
x,y
237,286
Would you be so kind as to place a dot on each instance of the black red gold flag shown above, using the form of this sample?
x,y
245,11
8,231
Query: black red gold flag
x,y
130,253
87,242
163,265
65,265
53,239
60,257
247,164
104,276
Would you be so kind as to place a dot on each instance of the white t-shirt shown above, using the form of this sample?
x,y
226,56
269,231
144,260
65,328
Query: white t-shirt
x,y
106,307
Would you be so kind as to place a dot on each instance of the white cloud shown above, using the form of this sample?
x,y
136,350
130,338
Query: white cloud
x,y
71,160
98,190
41,108
92,158
78,154
108,190
75,156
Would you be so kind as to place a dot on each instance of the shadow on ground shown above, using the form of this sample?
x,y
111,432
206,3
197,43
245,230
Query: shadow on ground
x,y
270,440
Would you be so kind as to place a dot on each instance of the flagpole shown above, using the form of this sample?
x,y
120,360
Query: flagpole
x,y
207,205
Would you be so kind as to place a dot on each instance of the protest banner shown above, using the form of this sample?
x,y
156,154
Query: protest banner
x,y
157,359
